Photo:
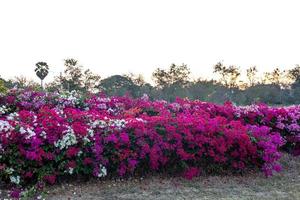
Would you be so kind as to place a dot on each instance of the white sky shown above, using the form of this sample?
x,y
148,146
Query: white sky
x,y
116,37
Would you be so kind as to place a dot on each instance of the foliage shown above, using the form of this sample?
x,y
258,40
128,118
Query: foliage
x,y
45,136
177,74
41,70
251,75
22,82
118,85
74,78
276,87
229,75
275,77
3,89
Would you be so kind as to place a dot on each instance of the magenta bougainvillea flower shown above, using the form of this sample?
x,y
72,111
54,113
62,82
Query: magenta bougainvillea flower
x,y
44,136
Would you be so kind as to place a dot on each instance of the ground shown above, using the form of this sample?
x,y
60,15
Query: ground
x,y
284,185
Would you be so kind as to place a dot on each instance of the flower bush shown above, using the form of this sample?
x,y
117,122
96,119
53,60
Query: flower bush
x,y
284,120
46,136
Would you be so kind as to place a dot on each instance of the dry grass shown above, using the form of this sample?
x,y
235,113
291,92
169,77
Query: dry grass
x,y
285,185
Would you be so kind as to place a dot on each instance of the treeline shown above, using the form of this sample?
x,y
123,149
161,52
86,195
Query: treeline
x,y
275,88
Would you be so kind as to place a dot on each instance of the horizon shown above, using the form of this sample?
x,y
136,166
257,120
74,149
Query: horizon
x,y
51,76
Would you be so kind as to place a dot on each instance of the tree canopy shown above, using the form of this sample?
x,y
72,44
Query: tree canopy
x,y
274,87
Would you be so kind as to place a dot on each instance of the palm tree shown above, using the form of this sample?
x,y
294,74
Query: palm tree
x,y
41,70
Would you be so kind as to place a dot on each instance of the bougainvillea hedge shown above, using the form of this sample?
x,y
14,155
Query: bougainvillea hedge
x,y
44,136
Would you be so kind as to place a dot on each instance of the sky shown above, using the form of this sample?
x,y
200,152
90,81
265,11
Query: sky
x,y
117,37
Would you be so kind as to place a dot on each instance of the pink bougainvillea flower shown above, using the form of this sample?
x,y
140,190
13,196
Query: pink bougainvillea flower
x,y
191,172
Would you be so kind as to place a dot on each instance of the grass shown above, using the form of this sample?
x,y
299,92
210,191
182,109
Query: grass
x,y
284,185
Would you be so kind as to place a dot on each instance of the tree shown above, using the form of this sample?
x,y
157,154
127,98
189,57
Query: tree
x,y
179,74
176,74
221,69
278,78
74,78
3,89
91,81
294,74
251,75
273,77
41,70
266,93
22,82
161,78
229,75
118,85
229,78
207,90
137,79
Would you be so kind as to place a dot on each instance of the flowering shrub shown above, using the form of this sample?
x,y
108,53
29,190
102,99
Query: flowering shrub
x,y
284,120
44,136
